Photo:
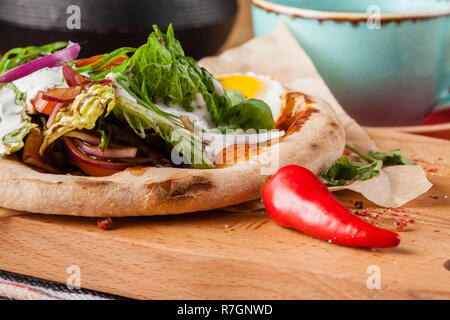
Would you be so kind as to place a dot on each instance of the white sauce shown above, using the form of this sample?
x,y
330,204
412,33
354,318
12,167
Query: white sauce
x,y
120,91
10,115
218,87
217,142
199,117
41,80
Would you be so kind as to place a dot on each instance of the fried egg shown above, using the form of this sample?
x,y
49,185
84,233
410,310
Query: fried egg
x,y
254,86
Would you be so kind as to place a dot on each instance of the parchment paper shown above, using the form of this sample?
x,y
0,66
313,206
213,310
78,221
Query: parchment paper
x,y
279,55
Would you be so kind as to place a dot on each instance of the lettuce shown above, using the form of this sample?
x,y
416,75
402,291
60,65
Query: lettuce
x,y
184,141
18,56
15,124
82,113
159,71
249,114
98,69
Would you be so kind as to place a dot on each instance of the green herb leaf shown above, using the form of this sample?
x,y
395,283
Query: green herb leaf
x,y
14,139
370,170
94,68
18,123
159,71
391,157
250,114
18,56
82,113
107,130
235,96
184,141
340,171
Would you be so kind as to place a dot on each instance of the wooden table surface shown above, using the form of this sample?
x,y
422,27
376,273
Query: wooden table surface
x,y
224,255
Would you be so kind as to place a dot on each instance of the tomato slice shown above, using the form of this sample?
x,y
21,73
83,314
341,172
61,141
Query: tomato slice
x,y
41,105
85,62
92,170
65,94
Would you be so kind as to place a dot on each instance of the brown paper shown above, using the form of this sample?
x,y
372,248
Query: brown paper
x,y
279,55
393,187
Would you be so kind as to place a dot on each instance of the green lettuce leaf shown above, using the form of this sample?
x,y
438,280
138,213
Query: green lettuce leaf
x,y
249,114
159,71
15,124
391,157
82,113
236,97
141,119
18,56
13,141
99,69
107,130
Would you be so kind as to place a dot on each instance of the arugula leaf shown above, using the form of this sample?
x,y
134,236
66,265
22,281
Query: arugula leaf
x,y
343,171
250,114
18,56
184,141
391,157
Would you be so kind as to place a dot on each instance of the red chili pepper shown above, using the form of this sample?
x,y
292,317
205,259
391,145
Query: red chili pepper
x,y
294,197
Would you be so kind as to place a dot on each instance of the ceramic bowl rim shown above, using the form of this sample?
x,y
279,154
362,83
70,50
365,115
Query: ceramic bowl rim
x,y
345,16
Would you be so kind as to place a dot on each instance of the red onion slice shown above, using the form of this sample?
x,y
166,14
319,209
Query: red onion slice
x,y
84,137
52,116
120,152
56,99
104,81
77,154
56,59
72,77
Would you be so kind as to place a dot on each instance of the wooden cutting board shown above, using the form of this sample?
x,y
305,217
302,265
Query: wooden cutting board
x,y
244,255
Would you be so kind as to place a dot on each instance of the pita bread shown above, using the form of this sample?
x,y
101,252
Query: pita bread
x,y
316,139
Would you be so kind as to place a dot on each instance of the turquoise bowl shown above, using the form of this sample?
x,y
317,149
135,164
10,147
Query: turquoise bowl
x,y
386,61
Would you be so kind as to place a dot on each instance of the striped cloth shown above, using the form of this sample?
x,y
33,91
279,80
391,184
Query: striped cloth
x,y
18,287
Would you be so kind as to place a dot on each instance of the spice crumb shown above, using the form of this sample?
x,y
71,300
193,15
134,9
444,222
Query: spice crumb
x,y
105,223
359,204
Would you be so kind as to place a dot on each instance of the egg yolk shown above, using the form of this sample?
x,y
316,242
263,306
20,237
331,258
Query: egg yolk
x,y
247,85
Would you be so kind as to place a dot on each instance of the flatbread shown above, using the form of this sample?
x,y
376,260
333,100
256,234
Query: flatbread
x,y
316,139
